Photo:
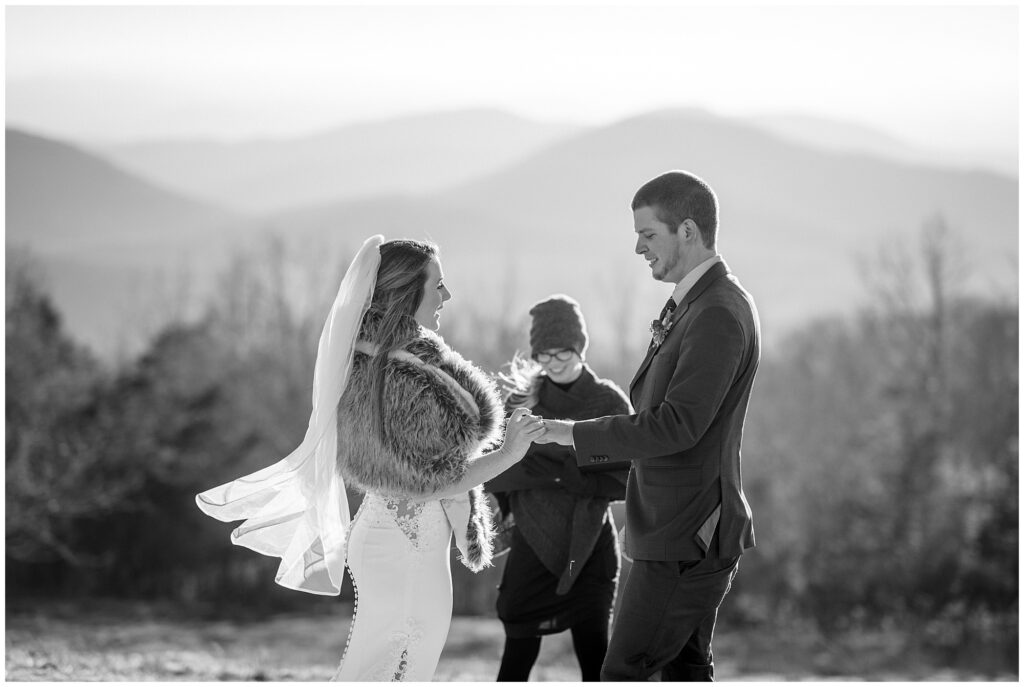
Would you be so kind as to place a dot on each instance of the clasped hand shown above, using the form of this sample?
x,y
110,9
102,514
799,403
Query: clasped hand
x,y
523,428
556,432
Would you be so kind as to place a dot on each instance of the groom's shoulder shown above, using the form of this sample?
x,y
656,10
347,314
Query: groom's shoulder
x,y
727,292
736,288
728,288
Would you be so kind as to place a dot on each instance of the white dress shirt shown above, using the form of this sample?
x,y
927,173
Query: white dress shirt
x,y
692,277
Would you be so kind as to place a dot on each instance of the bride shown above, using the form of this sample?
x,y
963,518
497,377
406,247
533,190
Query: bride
x,y
404,418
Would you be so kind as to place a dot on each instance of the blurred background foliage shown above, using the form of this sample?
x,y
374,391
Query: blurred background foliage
x,y
880,454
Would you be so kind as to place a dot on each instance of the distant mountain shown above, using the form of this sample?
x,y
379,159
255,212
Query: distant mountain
x,y
60,197
831,135
794,220
414,155
105,238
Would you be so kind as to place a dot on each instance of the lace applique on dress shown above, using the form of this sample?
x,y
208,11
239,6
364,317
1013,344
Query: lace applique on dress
x,y
423,523
407,515
400,644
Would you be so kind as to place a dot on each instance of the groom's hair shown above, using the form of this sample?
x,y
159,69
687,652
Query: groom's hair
x,y
677,196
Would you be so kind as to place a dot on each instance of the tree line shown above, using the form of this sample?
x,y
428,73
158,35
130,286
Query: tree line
x,y
880,455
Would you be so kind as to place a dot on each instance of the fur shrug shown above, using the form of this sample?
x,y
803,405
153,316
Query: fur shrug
x,y
432,428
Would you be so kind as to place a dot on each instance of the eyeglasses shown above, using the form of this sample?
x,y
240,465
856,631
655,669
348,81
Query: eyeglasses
x,y
563,355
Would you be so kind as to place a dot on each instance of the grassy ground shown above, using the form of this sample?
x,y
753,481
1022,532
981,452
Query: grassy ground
x,y
115,642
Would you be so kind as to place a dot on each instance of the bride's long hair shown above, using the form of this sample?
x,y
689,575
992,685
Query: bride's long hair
x,y
390,321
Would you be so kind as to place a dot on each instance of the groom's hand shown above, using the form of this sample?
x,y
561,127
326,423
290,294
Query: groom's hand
x,y
556,432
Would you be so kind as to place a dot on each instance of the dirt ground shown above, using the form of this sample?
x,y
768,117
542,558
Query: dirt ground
x,y
121,642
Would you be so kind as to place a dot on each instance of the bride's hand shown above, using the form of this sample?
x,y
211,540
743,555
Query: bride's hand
x,y
521,430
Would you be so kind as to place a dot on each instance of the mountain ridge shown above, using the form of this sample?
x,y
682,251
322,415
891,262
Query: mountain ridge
x,y
794,219
60,195
396,155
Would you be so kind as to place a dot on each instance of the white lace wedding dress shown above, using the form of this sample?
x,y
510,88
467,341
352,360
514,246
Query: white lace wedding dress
x,y
398,557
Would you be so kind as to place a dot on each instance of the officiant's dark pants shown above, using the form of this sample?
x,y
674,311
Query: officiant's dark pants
x,y
666,619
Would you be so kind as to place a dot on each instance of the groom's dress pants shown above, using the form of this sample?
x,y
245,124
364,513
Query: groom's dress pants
x,y
666,620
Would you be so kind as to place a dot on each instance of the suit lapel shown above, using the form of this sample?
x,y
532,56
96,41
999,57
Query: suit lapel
x,y
717,270
643,367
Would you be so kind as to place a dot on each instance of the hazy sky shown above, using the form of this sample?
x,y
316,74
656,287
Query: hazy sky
x,y
942,77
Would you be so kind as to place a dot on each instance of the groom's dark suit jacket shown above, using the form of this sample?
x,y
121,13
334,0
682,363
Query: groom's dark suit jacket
x,y
684,497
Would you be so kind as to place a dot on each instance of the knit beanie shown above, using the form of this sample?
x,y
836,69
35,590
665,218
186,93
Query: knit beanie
x,y
558,323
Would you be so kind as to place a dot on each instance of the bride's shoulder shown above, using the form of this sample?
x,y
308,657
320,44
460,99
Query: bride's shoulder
x,y
429,347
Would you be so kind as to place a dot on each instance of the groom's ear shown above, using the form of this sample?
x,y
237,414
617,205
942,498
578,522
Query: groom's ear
x,y
689,230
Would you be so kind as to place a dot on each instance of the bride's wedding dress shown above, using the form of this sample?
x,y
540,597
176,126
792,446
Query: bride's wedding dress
x,y
398,557
414,433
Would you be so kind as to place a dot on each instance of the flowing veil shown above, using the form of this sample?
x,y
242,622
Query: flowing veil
x,y
297,509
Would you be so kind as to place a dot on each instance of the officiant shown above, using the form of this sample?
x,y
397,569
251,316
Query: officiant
x,y
563,560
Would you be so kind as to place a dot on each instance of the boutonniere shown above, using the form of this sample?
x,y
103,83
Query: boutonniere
x,y
659,329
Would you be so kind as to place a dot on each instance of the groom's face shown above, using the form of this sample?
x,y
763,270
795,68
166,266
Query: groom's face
x,y
663,249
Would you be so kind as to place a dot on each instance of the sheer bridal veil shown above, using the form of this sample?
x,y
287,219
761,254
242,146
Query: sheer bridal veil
x,y
297,509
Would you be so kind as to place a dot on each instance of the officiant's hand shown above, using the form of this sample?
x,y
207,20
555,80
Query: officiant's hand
x,y
558,432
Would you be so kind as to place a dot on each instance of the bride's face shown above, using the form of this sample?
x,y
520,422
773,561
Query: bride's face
x,y
435,293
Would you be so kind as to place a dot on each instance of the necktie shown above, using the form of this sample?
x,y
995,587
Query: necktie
x,y
670,306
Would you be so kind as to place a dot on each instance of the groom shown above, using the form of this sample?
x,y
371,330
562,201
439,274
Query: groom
x,y
687,520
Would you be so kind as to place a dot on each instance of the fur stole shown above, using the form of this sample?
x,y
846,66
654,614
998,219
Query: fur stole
x,y
439,411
